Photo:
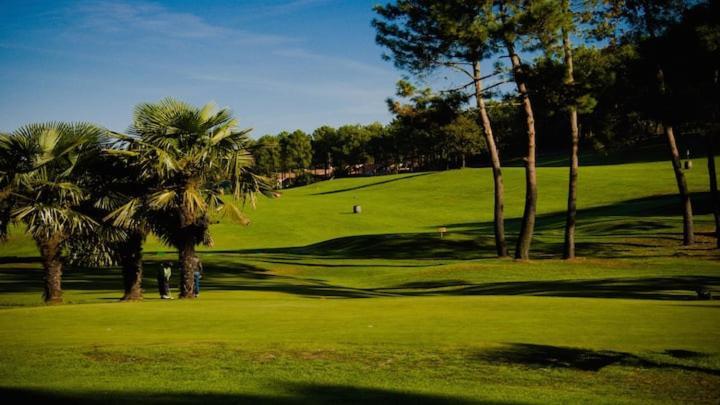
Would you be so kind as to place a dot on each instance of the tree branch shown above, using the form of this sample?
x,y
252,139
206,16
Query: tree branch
x,y
464,86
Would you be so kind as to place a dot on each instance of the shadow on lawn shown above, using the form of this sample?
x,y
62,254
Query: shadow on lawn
x,y
296,394
679,288
230,276
377,183
657,288
544,356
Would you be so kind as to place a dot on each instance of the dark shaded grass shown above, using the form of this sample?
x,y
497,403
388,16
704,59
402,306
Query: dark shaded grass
x,y
297,394
377,183
545,356
238,277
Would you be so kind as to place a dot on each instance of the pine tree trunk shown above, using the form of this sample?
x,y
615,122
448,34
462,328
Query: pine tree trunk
x,y
527,226
50,252
499,214
569,247
714,197
688,232
132,267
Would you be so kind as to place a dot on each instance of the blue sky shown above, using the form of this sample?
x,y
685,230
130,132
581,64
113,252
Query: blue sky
x,y
282,64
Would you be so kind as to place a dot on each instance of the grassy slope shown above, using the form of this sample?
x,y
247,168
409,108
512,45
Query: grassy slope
x,y
420,319
422,202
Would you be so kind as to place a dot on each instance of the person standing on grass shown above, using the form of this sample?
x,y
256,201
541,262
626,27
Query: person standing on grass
x,y
198,275
163,279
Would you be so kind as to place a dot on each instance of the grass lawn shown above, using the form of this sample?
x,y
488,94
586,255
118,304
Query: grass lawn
x,y
311,303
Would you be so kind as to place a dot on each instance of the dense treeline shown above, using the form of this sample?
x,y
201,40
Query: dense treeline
x,y
421,138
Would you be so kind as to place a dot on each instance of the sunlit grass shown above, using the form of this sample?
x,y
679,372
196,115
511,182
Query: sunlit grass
x,y
311,303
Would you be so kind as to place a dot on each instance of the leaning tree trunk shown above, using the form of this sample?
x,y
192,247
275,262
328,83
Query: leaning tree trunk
x,y
499,216
132,267
688,232
569,247
50,252
714,197
527,226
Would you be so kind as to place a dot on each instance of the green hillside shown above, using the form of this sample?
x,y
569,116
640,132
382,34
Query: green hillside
x,y
629,198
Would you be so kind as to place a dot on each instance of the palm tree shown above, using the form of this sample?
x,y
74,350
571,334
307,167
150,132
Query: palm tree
x,y
112,181
189,156
38,173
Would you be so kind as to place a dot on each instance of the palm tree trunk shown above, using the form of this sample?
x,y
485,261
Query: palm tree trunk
x,y
714,197
527,226
569,247
50,252
132,267
187,268
499,215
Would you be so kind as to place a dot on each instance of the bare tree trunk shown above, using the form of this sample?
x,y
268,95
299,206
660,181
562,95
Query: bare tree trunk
x,y
527,226
688,232
569,247
499,215
714,197
52,265
132,267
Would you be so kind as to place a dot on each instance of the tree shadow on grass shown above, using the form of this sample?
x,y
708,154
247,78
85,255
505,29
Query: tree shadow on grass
x,y
377,183
656,288
242,277
295,394
231,276
678,288
544,356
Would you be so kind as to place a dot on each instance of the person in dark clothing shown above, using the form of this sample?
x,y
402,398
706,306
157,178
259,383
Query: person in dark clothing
x,y
163,279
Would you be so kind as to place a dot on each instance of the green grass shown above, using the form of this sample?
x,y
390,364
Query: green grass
x,y
311,303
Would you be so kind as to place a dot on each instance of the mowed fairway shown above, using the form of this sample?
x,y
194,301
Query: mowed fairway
x,y
312,303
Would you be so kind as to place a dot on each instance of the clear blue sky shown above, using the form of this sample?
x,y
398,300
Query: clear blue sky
x,y
280,64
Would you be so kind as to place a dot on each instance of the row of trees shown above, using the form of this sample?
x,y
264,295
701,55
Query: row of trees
x,y
94,195
420,137
658,68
